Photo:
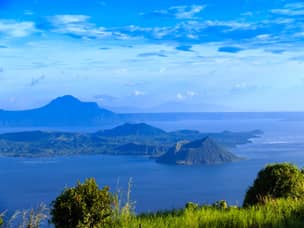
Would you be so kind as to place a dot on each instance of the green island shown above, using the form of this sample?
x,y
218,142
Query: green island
x,y
275,199
129,139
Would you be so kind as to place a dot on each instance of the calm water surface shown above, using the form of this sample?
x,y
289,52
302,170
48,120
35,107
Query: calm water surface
x,y
27,182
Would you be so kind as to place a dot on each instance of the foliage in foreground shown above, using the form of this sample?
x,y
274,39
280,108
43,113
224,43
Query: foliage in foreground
x,y
275,200
278,213
83,206
276,181
274,213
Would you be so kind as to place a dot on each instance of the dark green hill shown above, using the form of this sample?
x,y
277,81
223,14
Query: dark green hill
x,y
204,151
128,129
25,136
126,139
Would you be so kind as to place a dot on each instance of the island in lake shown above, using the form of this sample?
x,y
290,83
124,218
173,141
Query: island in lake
x,y
194,147
203,151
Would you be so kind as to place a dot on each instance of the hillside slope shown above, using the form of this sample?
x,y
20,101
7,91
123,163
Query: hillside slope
x,y
204,151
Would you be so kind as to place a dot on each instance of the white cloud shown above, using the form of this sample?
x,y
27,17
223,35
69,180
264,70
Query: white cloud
x,y
68,19
299,34
180,96
288,12
17,29
138,93
79,25
293,9
183,96
191,93
263,36
186,12
296,5
234,25
180,12
183,78
191,29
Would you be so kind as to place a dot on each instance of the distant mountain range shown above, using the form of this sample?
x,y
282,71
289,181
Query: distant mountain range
x,y
68,111
202,151
169,107
63,111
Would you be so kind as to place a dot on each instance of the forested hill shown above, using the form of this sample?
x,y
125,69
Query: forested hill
x,y
126,139
202,151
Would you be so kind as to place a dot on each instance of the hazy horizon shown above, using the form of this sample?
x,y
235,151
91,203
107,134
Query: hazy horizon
x,y
157,56
163,113
130,110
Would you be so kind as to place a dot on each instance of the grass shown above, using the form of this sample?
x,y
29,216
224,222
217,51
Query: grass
x,y
274,213
32,218
278,213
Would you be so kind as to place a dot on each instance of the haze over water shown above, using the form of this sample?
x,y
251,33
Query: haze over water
x,y
27,182
206,65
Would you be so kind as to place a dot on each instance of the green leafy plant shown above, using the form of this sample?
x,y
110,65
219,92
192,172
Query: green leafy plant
x,y
83,206
276,181
221,204
192,206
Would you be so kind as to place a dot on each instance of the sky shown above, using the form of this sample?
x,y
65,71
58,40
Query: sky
x,y
153,56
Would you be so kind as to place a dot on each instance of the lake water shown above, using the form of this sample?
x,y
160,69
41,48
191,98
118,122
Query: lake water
x,y
27,182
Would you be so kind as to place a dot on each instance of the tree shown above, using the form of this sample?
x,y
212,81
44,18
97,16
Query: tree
x,y
276,181
83,206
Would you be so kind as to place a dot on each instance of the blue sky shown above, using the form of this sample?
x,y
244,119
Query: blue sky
x,y
212,55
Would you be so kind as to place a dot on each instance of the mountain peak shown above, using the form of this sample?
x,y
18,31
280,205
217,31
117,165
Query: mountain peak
x,y
62,111
201,142
203,151
70,103
66,100
139,129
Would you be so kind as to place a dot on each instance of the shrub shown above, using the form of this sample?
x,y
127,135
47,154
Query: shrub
x,y
192,206
83,206
276,181
221,204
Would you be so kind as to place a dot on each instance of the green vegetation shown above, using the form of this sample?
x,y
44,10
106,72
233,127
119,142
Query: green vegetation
x,y
275,200
279,213
276,181
274,213
203,151
83,206
127,139
88,206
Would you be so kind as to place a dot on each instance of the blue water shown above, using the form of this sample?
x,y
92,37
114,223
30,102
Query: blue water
x,y
27,182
